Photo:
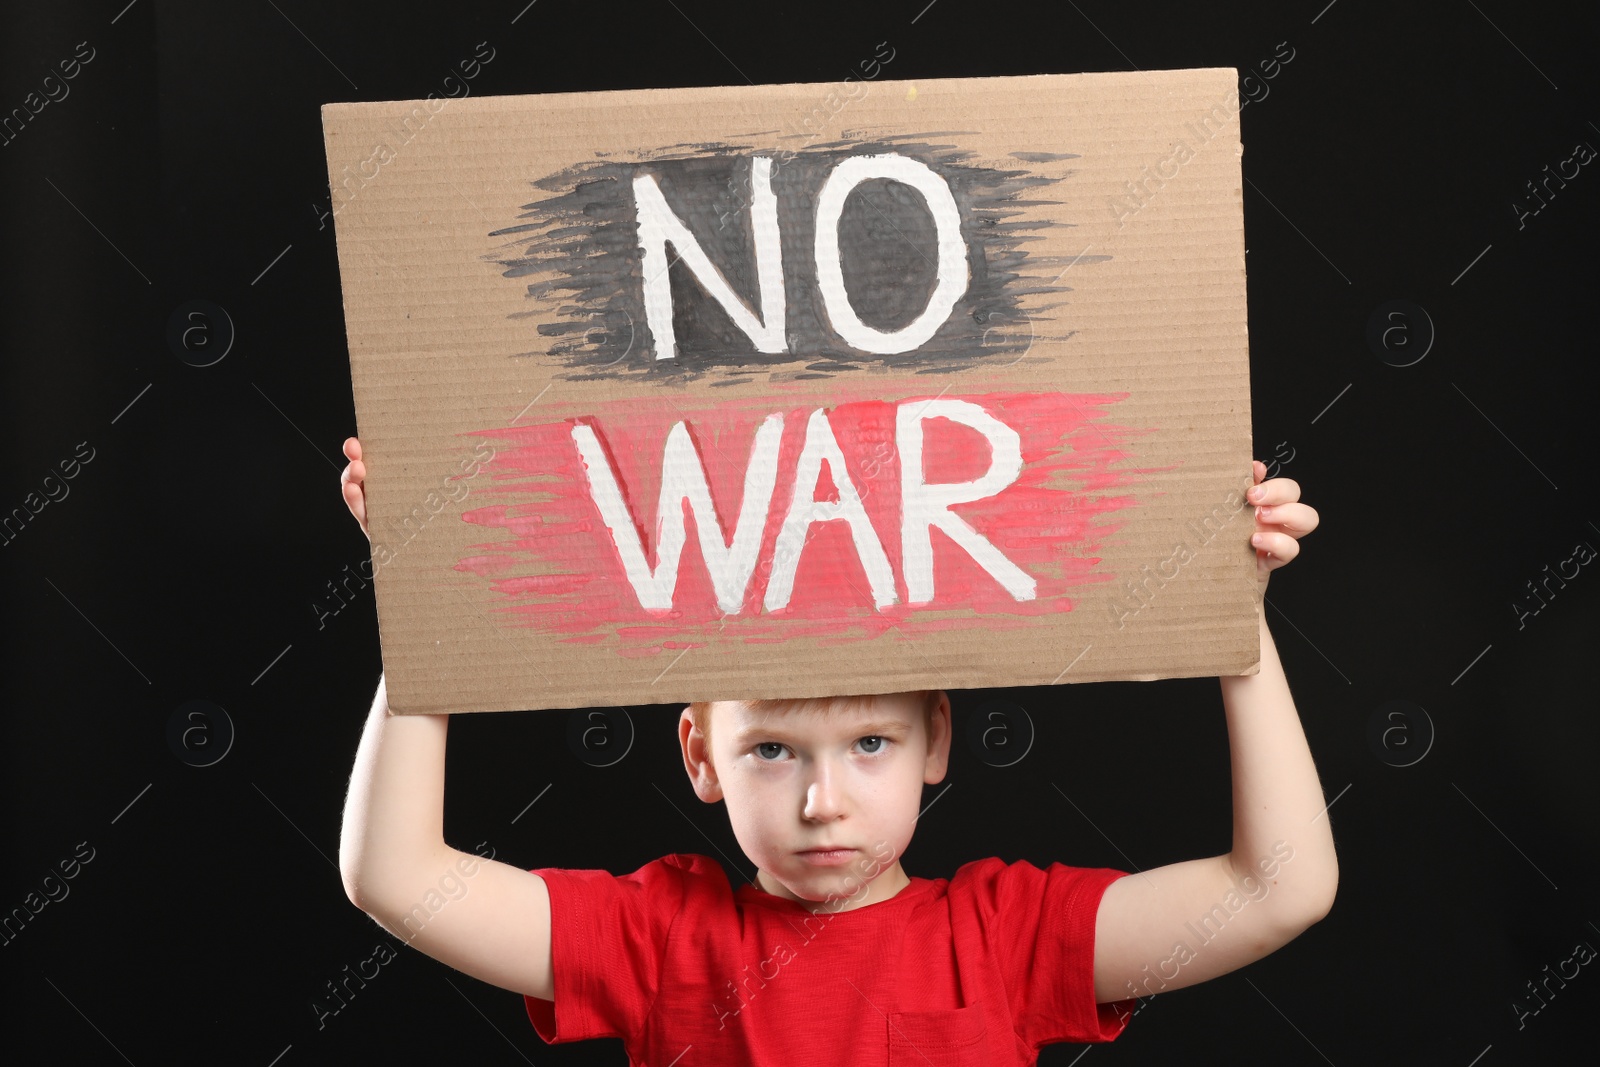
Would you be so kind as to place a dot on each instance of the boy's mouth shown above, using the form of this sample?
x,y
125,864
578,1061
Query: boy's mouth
x,y
828,856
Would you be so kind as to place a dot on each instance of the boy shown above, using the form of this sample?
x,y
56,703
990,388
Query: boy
x,y
834,955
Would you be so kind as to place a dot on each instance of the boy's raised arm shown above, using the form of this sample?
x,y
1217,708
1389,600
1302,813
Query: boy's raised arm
x,y
394,812
1176,925
484,918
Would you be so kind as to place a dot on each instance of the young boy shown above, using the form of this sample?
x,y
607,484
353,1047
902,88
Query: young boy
x,y
834,955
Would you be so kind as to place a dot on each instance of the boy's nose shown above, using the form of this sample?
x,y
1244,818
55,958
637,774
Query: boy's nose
x,y
824,799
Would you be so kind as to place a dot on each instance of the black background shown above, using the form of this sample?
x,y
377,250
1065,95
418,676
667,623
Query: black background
x,y
1383,164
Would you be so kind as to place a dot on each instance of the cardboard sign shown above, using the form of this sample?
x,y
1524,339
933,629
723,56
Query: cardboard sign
x,y
800,390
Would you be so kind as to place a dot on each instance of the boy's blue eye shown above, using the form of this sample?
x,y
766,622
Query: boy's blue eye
x,y
766,745
873,751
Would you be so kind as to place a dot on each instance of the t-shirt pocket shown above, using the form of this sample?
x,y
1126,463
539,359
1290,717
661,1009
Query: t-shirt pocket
x,y
953,1037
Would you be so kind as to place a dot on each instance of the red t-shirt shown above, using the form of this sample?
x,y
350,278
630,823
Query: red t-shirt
x,y
982,968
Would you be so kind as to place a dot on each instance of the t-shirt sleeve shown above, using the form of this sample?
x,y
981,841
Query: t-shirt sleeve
x,y
608,941
1042,923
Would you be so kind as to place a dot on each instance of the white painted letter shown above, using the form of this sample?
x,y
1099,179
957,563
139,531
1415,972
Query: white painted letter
x,y
683,477
805,509
952,269
923,505
658,225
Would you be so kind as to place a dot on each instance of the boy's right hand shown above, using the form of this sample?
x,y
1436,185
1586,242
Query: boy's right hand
x,y
355,497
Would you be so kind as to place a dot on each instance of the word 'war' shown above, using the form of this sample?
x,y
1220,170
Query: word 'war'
x,y
731,561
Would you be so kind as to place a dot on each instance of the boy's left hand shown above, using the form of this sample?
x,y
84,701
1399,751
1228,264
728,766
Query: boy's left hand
x,y
1280,520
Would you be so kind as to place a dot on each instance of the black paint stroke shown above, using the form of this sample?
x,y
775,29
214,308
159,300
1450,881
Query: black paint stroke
x,y
579,248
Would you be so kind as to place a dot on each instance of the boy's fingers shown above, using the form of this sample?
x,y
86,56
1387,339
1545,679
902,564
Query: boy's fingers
x,y
1275,491
1295,519
355,500
1282,547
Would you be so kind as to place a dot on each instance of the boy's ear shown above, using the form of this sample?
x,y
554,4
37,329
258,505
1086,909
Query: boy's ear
x,y
697,759
939,742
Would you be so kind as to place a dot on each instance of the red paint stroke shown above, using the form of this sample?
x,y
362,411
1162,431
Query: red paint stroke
x,y
558,570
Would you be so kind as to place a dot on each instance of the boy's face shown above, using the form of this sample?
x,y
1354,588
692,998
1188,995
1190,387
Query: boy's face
x,y
799,779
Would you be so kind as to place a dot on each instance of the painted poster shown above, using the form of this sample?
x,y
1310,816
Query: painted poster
x,y
800,390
